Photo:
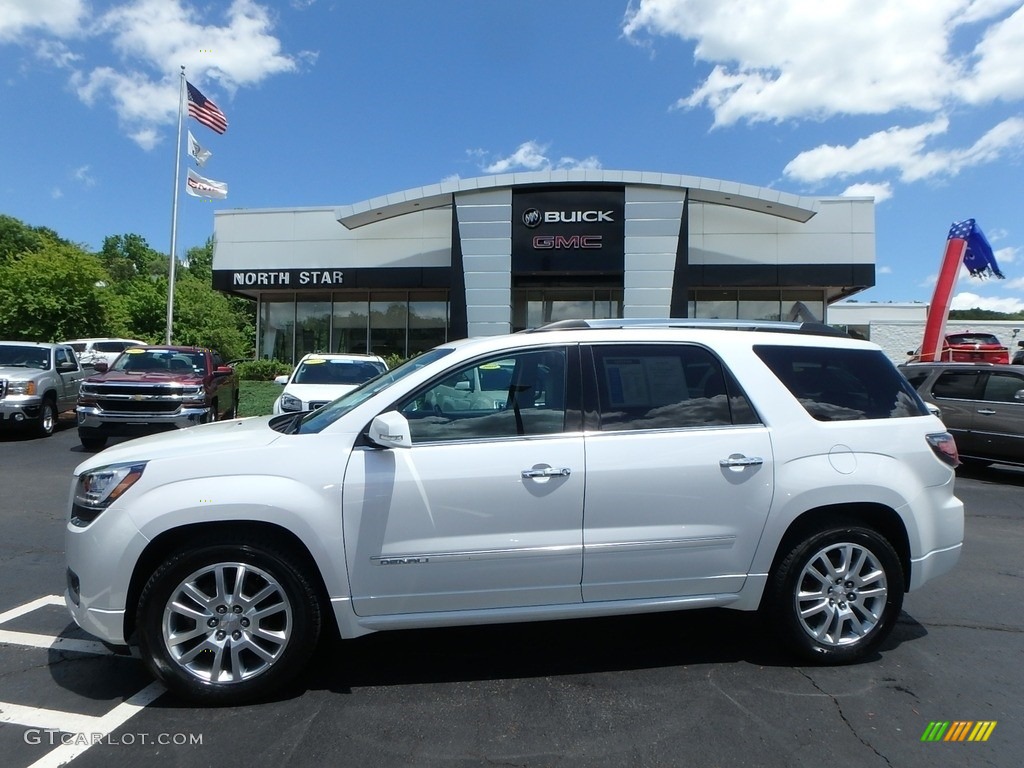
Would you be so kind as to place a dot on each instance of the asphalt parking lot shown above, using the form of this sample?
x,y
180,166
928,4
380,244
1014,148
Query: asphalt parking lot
x,y
703,688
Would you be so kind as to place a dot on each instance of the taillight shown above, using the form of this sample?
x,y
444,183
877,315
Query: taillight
x,y
945,447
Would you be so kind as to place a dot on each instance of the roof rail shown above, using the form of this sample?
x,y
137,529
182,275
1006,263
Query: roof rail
x,y
776,326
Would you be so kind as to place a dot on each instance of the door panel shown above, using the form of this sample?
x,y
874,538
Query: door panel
x,y
446,527
664,518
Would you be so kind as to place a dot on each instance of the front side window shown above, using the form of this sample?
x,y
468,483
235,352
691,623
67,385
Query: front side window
x,y
1003,387
655,386
515,395
843,384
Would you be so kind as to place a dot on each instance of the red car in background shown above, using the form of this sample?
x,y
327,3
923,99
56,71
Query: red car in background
x,y
970,347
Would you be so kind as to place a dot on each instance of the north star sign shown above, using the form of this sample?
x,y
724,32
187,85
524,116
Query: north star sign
x,y
278,278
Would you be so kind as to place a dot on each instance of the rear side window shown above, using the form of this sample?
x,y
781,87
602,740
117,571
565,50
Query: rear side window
x,y
665,386
843,384
957,385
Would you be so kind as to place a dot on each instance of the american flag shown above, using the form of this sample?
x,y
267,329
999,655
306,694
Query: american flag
x,y
204,110
978,256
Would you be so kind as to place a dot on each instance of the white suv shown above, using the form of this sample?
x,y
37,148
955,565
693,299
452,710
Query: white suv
x,y
588,468
92,351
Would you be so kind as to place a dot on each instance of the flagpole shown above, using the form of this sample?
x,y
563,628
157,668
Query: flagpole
x,y
174,210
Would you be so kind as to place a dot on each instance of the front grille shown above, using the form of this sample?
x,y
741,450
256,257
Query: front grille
x,y
139,406
3,388
155,390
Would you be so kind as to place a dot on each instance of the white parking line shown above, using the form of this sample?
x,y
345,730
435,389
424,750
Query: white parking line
x,y
32,640
85,730
36,604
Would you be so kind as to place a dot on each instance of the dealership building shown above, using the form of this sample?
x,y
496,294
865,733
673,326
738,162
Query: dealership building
x,y
471,257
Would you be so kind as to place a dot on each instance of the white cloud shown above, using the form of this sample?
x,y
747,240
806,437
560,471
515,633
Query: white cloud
x,y
905,150
881,192
968,300
885,270
167,34
59,17
1006,255
56,193
153,39
83,174
531,156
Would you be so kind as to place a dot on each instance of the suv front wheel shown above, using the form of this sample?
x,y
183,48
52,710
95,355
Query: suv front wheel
x,y
228,622
835,595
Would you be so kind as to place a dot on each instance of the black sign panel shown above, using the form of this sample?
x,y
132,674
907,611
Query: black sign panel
x,y
277,279
568,230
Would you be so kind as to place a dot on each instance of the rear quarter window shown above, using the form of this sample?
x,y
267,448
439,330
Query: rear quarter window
x,y
843,384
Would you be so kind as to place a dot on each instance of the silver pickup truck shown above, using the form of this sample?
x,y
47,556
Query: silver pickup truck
x,y
37,383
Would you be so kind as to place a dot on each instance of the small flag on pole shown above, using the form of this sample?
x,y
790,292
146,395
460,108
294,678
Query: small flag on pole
x,y
205,111
196,152
197,186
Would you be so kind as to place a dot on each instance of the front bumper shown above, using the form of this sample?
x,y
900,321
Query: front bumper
x,y
128,424
15,409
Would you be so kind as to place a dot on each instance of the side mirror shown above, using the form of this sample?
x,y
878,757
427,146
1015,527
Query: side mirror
x,y
223,370
67,366
390,430
101,366
282,380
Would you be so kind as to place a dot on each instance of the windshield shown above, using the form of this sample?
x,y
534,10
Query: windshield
x,y
322,371
25,357
161,361
317,420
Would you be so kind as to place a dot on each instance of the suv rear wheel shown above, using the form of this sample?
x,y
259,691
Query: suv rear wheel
x,y
836,594
227,622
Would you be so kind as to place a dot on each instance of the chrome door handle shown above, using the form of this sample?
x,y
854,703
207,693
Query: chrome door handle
x,y
738,460
986,411
546,472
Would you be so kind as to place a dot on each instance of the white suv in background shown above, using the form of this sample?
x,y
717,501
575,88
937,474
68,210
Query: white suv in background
x,y
92,351
320,378
587,468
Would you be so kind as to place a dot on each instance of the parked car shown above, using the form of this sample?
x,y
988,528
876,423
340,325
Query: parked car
x,y
629,466
92,351
38,382
1018,356
971,347
320,378
154,388
981,404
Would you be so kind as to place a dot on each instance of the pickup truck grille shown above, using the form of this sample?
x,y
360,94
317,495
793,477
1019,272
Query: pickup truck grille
x,y
3,388
138,406
127,398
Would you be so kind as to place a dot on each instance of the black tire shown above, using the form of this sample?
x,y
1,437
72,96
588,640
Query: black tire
x,y
47,418
223,659
853,577
92,442
212,415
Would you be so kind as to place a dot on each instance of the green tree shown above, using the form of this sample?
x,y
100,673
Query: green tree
x,y
205,317
52,294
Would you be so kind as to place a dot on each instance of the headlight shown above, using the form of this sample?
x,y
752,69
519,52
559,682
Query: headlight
x,y
21,388
99,488
290,403
193,395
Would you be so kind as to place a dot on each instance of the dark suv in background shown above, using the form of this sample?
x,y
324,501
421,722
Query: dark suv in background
x,y
981,404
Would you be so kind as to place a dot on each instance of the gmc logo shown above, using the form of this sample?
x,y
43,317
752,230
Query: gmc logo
x,y
561,241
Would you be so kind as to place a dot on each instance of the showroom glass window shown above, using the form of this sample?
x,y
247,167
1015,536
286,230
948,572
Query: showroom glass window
x,y
665,386
312,323
514,395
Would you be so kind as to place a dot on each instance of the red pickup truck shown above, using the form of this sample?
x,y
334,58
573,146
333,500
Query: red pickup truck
x,y
155,388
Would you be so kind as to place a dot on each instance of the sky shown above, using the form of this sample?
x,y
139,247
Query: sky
x,y
918,103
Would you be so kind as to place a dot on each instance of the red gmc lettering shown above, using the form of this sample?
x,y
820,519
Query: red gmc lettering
x,y
542,242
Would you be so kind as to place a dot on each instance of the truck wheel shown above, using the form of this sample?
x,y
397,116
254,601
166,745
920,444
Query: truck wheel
x,y
92,442
47,418
212,415
224,622
836,595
